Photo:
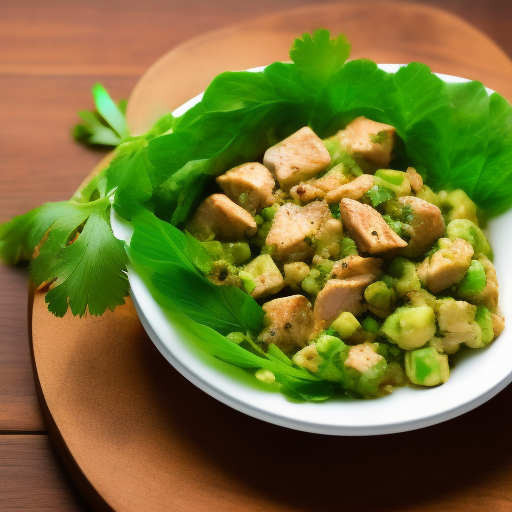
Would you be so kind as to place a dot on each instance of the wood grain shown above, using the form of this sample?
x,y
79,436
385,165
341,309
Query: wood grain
x,y
52,54
33,477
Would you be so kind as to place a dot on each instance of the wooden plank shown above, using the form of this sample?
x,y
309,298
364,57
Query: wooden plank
x,y
33,478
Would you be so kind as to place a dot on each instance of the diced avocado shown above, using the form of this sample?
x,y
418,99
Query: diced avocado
x,y
396,181
328,349
457,205
410,328
347,247
473,282
261,235
327,344
467,230
391,176
369,324
308,358
483,318
407,280
261,277
427,194
346,325
426,367
247,281
317,277
269,212
380,298
339,157
295,273
236,253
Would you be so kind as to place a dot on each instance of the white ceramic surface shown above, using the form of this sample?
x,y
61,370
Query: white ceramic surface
x,y
477,376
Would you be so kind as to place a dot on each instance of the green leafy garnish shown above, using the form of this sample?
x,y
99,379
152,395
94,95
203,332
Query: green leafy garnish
x,y
379,194
104,126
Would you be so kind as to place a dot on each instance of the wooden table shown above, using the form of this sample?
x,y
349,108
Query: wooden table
x,y
52,53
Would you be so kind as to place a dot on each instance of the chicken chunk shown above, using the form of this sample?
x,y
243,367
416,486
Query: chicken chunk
x,y
306,192
355,265
293,230
219,215
362,357
297,158
289,323
317,188
456,320
368,141
368,229
446,266
426,227
338,296
352,190
249,185
414,178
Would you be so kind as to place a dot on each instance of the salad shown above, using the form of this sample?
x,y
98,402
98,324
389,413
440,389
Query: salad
x,y
361,275
418,161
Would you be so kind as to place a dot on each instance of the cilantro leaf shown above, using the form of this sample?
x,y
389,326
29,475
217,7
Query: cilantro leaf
x,y
379,194
317,57
91,272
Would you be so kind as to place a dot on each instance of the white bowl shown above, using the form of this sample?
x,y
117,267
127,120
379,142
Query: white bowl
x,y
476,378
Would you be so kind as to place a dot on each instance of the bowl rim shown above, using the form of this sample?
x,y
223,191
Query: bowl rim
x,y
388,416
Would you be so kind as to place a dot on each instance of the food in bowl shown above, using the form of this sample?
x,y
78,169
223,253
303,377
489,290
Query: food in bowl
x,y
455,134
367,278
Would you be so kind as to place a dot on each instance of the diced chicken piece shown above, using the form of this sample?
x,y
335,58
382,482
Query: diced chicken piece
x,y
306,192
456,320
293,228
355,265
328,238
332,179
369,140
414,178
218,214
498,324
249,185
368,229
446,266
297,158
289,323
426,227
317,188
338,296
362,357
352,190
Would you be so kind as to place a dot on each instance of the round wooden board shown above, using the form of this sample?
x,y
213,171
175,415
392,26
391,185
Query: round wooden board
x,y
135,435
